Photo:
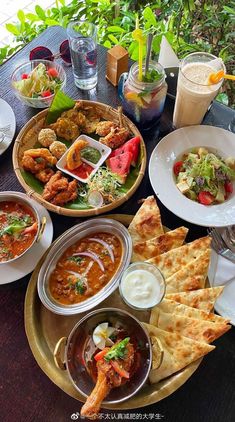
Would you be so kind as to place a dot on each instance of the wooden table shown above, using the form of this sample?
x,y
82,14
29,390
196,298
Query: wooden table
x,y
26,394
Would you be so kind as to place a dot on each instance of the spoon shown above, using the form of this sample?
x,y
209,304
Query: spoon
x,y
215,77
149,47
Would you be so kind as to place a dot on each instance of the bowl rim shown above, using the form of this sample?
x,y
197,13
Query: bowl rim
x,y
38,61
141,326
16,196
62,244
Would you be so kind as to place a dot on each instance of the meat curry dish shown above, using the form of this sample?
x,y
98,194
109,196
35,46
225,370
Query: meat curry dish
x,y
85,268
18,228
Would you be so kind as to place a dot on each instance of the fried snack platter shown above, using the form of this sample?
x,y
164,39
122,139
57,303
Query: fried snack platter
x,y
36,154
184,321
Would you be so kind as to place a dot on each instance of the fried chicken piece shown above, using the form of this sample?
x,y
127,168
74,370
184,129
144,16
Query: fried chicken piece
x,y
116,137
41,153
45,175
75,116
68,195
107,378
56,184
33,166
104,128
65,128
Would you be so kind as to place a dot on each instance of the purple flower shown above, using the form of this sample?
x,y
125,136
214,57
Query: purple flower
x,y
199,180
220,175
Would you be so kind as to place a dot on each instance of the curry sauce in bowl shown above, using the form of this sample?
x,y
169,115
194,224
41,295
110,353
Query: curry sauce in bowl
x,y
84,266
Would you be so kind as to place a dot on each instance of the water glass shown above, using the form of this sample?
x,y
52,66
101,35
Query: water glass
x,y
82,37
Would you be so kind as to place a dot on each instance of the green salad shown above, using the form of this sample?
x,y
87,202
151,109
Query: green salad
x,y
204,176
39,83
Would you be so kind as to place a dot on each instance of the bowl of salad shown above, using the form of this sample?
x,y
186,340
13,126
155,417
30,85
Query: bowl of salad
x,y
36,82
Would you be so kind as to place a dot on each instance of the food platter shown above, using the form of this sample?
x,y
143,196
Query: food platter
x,y
27,139
44,329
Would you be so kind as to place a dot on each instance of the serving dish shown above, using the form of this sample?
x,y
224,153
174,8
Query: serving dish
x,y
168,151
44,329
27,139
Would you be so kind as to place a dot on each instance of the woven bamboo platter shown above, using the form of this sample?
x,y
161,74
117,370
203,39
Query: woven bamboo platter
x,y
44,329
27,139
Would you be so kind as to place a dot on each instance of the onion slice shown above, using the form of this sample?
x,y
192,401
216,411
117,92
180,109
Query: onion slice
x,y
106,245
93,256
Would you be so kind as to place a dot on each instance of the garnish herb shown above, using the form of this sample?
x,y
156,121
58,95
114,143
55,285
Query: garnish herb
x,y
151,76
79,287
76,259
13,228
118,350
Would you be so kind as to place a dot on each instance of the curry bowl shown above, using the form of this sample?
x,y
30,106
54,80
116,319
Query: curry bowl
x,y
20,226
79,351
84,266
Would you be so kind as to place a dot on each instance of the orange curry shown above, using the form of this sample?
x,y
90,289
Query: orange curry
x,y
18,228
85,268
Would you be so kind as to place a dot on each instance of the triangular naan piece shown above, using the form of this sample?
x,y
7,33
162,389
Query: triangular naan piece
x,y
173,307
179,352
191,277
158,245
172,261
146,223
195,329
201,299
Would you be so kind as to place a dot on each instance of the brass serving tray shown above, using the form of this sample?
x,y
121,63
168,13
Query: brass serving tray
x,y
44,329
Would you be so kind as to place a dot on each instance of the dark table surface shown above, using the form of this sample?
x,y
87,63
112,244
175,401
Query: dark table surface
x,y
26,394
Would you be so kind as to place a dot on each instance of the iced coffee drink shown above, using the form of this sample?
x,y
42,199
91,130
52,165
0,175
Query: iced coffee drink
x,y
194,92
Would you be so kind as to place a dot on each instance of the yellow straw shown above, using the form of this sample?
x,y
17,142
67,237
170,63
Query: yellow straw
x,y
214,78
137,35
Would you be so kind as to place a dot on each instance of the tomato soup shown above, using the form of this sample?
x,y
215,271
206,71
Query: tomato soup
x,y
85,268
18,228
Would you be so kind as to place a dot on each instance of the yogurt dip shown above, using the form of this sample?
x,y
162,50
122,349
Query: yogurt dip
x,y
142,285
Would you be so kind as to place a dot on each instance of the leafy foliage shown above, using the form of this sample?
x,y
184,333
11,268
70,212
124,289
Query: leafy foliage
x,y
189,25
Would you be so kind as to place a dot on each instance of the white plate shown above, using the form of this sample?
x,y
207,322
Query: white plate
x,y
166,153
7,117
27,263
225,303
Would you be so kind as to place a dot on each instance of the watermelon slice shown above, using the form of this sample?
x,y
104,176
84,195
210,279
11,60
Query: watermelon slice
x,y
120,165
132,146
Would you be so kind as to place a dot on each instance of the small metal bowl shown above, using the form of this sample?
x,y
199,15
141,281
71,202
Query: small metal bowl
x,y
73,359
70,237
22,199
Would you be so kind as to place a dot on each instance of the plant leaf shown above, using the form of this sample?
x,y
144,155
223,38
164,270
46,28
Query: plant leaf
x,y
60,103
40,12
12,28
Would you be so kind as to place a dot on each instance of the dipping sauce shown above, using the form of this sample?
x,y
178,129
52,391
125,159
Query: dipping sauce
x,y
18,228
142,285
91,154
83,171
85,268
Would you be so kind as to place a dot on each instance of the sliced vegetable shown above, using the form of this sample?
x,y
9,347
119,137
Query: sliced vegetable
x,y
118,350
106,245
120,371
53,72
177,167
95,199
228,187
100,355
205,198
93,256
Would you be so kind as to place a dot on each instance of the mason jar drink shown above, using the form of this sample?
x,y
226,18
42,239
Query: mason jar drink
x,y
194,93
143,101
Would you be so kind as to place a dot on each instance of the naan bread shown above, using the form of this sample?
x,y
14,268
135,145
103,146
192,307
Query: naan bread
x,y
158,245
146,224
201,299
191,277
195,329
173,307
179,352
172,261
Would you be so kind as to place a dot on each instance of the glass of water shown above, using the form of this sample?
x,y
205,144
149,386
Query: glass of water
x,y
82,37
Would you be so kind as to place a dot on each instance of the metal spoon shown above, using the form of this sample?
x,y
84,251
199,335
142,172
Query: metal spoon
x,y
149,47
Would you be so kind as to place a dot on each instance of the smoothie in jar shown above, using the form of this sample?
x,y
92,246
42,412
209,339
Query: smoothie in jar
x,y
194,93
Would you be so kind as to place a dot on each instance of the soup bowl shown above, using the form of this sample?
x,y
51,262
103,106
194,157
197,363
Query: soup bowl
x,y
59,252
75,353
19,198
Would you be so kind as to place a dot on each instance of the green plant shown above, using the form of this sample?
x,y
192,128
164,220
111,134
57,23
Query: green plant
x,y
189,25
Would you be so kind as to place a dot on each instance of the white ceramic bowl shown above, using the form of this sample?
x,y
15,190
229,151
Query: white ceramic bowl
x,y
166,153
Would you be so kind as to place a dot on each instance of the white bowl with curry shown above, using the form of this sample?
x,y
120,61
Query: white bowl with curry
x,y
84,266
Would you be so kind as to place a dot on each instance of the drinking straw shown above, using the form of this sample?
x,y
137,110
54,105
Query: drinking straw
x,y
137,35
215,77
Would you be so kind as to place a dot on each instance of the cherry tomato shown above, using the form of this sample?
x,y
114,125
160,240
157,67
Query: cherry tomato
x,y
24,76
52,72
177,167
205,198
46,93
228,186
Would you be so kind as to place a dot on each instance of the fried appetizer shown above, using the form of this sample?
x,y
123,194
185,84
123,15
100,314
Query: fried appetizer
x,y
75,116
90,126
59,190
68,195
116,137
33,166
46,137
45,175
104,128
73,158
41,153
57,149
66,129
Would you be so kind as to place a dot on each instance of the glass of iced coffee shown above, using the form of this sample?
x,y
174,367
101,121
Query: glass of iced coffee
x,y
194,92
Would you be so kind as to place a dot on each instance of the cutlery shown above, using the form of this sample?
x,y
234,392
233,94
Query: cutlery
x,y
5,129
219,245
2,137
230,236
